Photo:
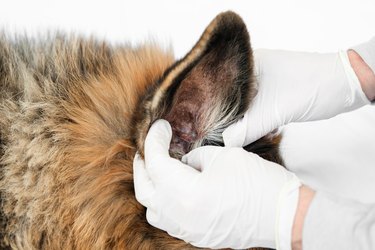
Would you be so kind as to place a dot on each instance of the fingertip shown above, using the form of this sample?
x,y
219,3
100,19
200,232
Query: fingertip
x,y
235,134
158,139
158,220
152,217
161,126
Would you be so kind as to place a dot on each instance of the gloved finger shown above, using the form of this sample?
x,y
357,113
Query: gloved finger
x,y
153,218
156,219
158,140
201,158
143,186
160,165
254,125
235,134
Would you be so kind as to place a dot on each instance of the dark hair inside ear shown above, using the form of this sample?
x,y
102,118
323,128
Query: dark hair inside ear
x,y
210,88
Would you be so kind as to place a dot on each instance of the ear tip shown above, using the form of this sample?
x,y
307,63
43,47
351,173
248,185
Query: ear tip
x,y
231,17
229,14
230,25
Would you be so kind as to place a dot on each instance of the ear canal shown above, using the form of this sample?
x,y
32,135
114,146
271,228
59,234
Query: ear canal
x,y
208,89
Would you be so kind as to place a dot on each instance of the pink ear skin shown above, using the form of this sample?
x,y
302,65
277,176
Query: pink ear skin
x,y
183,124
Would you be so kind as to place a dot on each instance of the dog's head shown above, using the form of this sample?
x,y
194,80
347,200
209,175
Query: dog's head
x,y
204,92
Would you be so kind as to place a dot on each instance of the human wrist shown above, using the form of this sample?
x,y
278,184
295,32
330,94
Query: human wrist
x,y
364,73
286,210
306,195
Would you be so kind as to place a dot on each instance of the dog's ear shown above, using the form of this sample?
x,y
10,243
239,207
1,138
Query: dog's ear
x,y
206,91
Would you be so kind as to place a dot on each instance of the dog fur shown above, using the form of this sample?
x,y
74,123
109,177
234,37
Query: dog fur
x,y
73,112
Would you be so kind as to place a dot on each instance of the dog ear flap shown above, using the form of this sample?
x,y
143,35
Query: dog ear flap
x,y
208,89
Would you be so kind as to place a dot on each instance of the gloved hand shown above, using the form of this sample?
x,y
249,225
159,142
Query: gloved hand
x,y
219,197
296,87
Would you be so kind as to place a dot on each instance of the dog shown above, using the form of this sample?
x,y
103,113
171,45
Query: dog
x,y
73,113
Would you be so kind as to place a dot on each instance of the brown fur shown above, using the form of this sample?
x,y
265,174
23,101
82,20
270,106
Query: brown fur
x,y
69,109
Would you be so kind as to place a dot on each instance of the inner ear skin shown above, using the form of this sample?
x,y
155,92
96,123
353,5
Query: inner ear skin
x,y
194,101
183,123
189,102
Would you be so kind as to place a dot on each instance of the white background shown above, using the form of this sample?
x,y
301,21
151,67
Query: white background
x,y
320,25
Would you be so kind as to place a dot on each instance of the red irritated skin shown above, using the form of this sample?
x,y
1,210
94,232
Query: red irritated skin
x,y
184,125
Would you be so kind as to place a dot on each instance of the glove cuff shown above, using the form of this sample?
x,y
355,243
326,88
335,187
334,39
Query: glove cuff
x,y
286,209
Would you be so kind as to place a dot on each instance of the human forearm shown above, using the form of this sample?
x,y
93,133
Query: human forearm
x,y
306,195
333,222
364,73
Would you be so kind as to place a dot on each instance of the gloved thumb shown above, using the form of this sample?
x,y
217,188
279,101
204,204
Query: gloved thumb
x,y
160,166
158,140
201,158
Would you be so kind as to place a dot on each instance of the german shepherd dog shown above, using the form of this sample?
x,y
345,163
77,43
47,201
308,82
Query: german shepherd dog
x,y
73,112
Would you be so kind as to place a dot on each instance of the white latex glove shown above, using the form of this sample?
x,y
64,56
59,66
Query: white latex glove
x,y
296,87
228,198
340,160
